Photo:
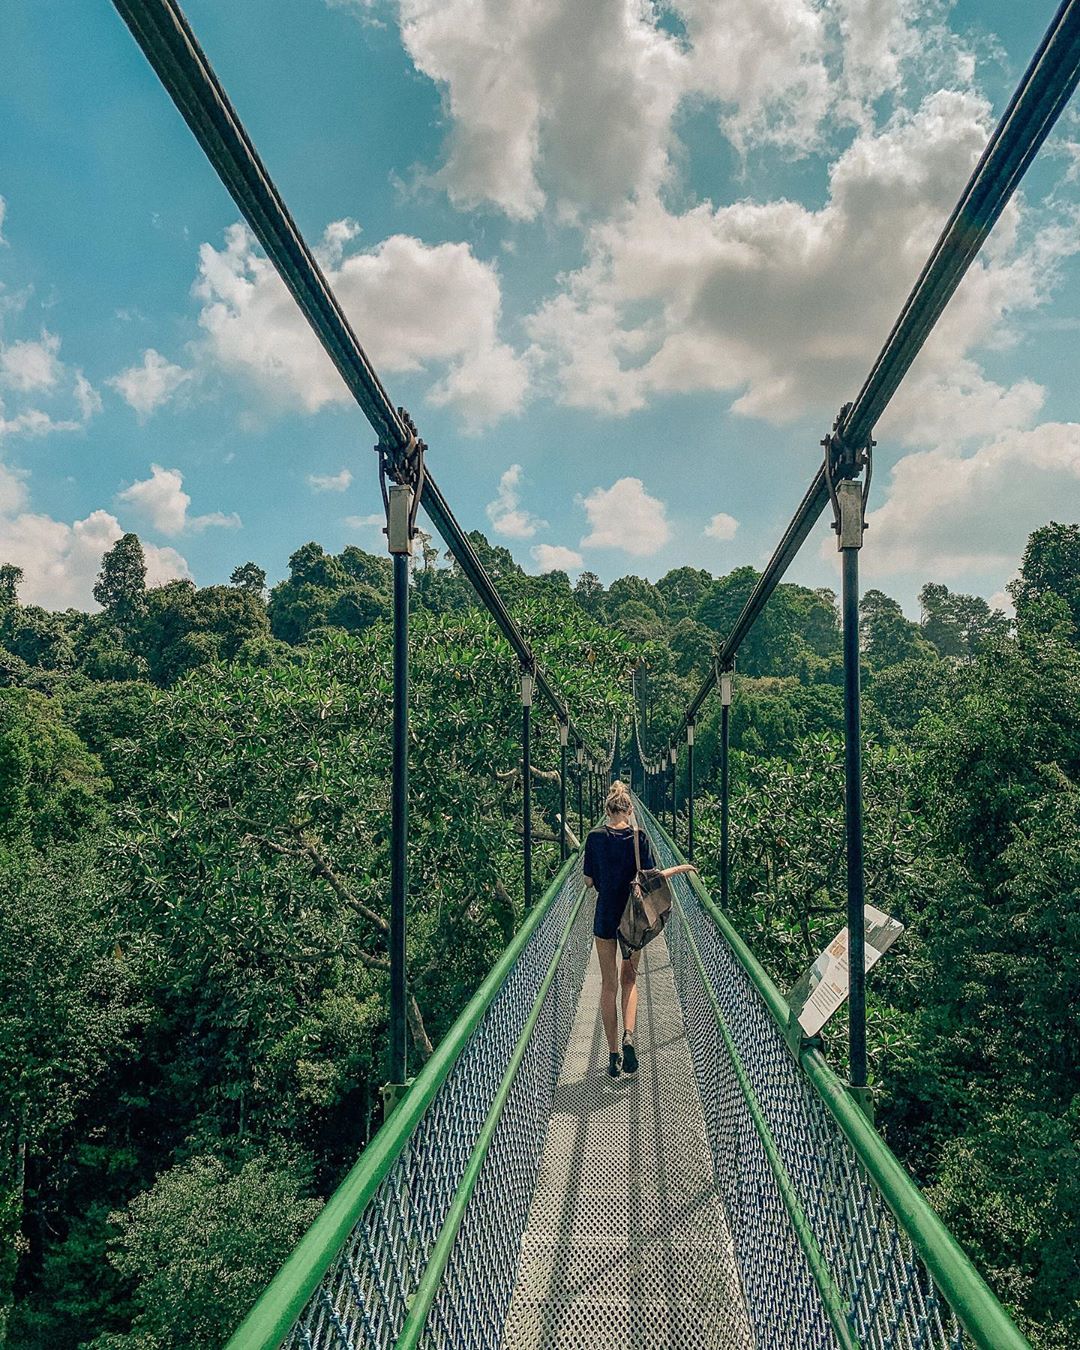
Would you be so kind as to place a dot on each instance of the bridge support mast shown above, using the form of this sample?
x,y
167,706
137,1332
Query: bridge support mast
x,y
400,519
526,780
726,681
843,465
690,791
564,738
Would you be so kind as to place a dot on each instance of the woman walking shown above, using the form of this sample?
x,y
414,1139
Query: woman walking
x,y
609,866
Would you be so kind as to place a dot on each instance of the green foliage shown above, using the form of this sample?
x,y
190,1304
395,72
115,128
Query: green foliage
x,y
888,637
193,982
197,1246
121,585
51,787
959,625
67,1015
350,590
249,577
1051,567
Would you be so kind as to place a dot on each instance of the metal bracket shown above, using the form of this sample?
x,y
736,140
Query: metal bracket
x,y
528,685
690,733
849,524
392,1093
727,684
864,1100
404,467
844,462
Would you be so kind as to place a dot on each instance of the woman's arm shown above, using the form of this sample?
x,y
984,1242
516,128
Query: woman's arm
x,y
677,871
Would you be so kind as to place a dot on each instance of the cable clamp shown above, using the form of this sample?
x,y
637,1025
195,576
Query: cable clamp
x,y
402,467
844,462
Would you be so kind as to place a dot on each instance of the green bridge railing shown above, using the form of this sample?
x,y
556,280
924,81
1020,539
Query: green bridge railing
x,y
836,1246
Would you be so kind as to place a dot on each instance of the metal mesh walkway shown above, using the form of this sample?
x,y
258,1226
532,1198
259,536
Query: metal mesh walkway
x,y
626,1243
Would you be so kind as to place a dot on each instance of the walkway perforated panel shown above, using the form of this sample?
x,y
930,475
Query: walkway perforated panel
x,y
627,1244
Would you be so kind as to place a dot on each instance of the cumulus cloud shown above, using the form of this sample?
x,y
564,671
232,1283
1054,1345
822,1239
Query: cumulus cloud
x,y
61,561
948,514
149,386
722,526
161,499
626,517
13,494
578,104
31,366
414,307
330,482
87,398
35,422
505,512
783,305
556,558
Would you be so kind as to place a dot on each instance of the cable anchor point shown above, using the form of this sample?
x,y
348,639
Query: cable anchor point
x,y
844,462
401,482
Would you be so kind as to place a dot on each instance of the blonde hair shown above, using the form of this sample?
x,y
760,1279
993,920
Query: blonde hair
x,y
618,801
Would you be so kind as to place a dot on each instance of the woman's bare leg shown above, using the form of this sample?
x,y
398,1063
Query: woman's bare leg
x,y
628,980
609,977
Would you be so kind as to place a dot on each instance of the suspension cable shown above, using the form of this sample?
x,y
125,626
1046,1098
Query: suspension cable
x,y
162,31
1046,87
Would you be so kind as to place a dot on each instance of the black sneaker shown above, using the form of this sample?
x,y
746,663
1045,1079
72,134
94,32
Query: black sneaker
x,y
614,1067
629,1056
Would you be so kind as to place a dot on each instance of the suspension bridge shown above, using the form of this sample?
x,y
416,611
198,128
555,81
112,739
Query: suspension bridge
x,y
735,1192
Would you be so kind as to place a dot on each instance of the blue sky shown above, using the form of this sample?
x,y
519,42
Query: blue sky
x,y
622,264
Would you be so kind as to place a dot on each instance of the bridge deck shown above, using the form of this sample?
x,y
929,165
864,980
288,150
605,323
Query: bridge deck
x,y
627,1246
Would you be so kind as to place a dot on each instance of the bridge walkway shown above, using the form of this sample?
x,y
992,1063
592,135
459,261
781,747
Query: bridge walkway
x,y
627,1243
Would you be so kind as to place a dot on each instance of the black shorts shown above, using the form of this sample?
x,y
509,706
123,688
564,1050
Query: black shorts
x,y
609,912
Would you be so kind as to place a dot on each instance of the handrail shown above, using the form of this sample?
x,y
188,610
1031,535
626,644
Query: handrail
x,y
973,1301
428,1288
280,1304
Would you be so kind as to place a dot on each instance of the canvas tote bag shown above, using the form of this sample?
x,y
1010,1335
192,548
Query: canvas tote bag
x,y
649,906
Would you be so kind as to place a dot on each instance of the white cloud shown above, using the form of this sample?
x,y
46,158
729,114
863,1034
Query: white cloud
x,y
413,306
61,561
624,516
161,499
31,366
576,102
13,494
35,422
722,526
330,482
149,386
365,522
947,514
556,558
505,513
578,105
86,397
782,305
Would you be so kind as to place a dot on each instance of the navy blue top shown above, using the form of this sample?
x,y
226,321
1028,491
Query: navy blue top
x,y
609,861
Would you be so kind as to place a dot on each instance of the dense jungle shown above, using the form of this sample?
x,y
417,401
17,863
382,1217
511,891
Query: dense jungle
x,y
194,821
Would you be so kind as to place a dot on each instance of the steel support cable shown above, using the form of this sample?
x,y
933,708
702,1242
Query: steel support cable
x,y
1047,85
166,39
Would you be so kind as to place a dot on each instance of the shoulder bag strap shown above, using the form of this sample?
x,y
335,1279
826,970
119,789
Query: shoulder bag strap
x,y
634,832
